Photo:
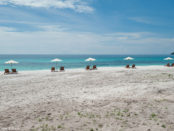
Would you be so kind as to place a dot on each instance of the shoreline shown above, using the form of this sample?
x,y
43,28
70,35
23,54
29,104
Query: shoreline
x,y
103,68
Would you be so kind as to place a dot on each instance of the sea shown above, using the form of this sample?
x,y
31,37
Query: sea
x,y
43,62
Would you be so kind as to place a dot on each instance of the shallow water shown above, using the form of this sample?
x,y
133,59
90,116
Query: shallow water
x,y
42,62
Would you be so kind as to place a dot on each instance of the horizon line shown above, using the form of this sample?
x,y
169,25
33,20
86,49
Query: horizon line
x,y
83,54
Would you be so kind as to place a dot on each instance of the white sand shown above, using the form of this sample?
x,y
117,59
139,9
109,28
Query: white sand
x,y
108,99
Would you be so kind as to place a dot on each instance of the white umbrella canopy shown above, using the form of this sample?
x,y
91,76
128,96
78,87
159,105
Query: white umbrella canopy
x,y
11,62
56,60
90,59
128,58
168,58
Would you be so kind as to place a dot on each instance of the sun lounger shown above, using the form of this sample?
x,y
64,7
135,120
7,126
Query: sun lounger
x,y
172,65
94,67
133,66
168,65
88,67
62,68
127,66
6,71
53,69
14,71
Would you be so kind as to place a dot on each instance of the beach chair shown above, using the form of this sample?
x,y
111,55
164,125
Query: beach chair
x,y
14,71
6,71
94,67
127,66
87,67
62,68
168,65
53,69
133,66
172,65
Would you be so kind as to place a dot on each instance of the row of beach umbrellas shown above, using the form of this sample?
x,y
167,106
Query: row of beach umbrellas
x,y
92,59
130,58
11,62
59,60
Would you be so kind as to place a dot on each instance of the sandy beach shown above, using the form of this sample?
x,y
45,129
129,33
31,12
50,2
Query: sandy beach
x,y
107,99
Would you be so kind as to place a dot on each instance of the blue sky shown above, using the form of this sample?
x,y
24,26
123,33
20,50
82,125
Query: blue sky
x,y
86,26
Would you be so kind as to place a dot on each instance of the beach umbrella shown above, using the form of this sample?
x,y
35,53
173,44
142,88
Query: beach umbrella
x,y
128,58
90,60
11,62
168,58
56,61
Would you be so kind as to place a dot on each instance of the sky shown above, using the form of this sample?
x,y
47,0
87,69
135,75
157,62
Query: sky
x,y
86,26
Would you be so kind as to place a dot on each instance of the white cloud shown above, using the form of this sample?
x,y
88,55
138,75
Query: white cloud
x,y
52,28
77,5
57,41
141,20
7,29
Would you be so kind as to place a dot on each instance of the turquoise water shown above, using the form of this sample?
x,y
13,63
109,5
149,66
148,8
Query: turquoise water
x,y
42,62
